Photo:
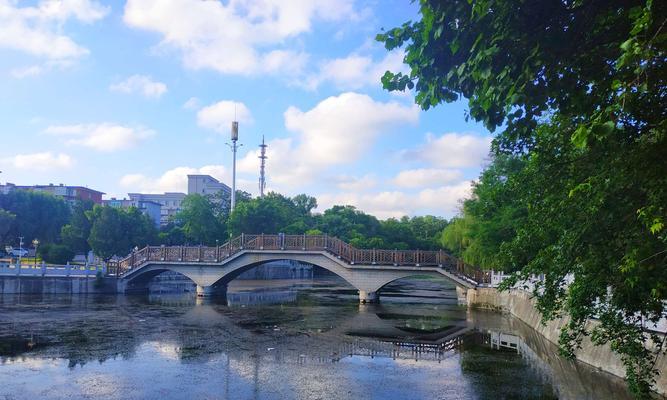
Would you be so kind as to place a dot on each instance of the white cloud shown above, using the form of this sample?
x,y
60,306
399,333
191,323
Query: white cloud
x,y
442,201
219,116
356,71
142,84
45,161
102,137
235,37
37,30
173,180
192,103
25,72
338,130
452,150
352,183
421,177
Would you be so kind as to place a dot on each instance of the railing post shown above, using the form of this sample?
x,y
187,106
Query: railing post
x,y
164,253
180,253
395,257
304,241
374,257
242,241
199,257
326,237
217,253
261,241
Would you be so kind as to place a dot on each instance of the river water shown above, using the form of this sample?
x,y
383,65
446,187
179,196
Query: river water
x,y
281,340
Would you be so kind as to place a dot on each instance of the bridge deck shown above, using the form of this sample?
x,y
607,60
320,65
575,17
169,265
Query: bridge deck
x,y
307,243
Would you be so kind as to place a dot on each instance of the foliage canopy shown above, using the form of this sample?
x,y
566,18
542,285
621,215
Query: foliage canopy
x,y
578,184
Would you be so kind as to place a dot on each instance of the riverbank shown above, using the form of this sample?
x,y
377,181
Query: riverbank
x,y
519,304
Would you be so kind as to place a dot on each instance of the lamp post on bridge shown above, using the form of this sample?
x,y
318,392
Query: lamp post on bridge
x,y
9,249
35,243
20,250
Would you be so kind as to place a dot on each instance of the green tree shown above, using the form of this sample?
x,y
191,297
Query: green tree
x,y
578,89
75,234
199,222
269,214
600,64
6,221
172,235
425,230
456,236
37,215
55,253
304,204
346,223
116,231
107,233
139,227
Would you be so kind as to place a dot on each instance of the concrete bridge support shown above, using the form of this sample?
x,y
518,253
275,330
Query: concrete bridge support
x,y
205,291
462,295
368,297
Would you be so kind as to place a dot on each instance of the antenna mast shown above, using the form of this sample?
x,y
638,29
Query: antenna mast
x,y
262,168
234,147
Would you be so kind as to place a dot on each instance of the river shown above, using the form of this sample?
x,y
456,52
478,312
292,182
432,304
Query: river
x,y
282,340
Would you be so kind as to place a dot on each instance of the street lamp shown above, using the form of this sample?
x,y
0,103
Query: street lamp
x,y
9,249
20,250
35,243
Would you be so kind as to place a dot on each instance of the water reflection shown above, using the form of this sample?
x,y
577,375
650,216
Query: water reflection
x,y
298,344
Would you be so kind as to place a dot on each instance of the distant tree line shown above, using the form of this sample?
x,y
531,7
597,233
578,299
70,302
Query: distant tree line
x,y
203,220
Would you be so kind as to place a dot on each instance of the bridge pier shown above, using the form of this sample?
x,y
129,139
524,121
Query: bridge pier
x,y
462,295
368,297
210,291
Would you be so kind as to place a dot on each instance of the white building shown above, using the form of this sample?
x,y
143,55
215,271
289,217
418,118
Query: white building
x,y
151,208
207,185
170,203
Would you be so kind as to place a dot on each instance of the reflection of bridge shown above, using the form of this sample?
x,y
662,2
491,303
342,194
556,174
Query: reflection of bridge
x,y
211,268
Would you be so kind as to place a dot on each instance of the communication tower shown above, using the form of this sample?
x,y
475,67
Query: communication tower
x,y
262,168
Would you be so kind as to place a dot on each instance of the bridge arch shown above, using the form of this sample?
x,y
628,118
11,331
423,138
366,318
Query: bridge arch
x,y
249,261
212,278
138,282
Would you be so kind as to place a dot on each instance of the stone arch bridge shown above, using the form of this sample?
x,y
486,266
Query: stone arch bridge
x,y
367,270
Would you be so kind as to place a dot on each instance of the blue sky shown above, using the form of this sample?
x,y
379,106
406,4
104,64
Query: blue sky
x,y
132,96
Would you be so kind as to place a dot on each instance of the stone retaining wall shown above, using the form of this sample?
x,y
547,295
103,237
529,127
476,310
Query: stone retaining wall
x,y
56,285
520,304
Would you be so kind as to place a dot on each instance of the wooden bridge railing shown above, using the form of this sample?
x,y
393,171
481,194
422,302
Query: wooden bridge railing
x,y
335,246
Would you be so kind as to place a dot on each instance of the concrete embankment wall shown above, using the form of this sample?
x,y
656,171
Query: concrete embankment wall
x,y
520,304
56,285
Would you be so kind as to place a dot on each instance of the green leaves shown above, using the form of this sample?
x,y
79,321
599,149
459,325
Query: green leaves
x,y
116,231
597,130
